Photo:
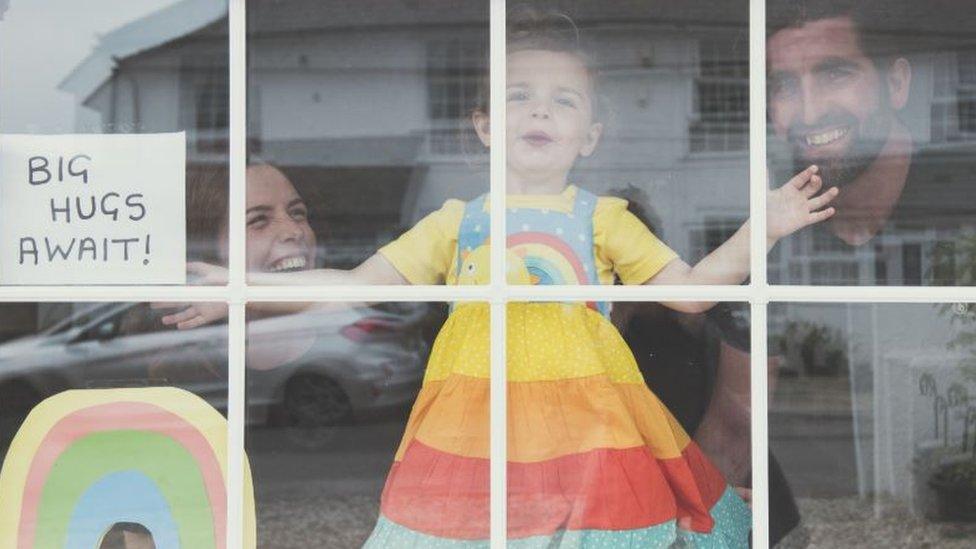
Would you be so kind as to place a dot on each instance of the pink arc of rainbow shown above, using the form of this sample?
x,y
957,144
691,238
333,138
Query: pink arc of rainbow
x,y
117,416
558,245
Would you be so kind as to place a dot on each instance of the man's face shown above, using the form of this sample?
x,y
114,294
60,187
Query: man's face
x,y
827,99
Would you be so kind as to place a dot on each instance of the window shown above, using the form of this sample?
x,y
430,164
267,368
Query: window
x,y
206,103
954,106
721,107
454,78
836,382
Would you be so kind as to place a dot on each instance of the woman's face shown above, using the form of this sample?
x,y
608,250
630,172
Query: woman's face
x,y
279,238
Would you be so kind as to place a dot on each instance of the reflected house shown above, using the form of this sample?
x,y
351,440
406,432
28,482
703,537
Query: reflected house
x,y
364,105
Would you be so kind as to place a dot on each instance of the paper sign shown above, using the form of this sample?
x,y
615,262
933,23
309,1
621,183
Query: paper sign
x,y
93,209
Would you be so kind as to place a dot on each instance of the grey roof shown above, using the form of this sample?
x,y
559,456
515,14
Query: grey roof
x,y
155,29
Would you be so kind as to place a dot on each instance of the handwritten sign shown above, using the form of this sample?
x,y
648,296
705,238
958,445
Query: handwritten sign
x,y
93,209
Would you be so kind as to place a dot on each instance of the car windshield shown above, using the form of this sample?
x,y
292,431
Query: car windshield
x,y
81,317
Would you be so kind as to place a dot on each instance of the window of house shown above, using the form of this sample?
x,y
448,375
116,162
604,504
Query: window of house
x,y
833,388
721,101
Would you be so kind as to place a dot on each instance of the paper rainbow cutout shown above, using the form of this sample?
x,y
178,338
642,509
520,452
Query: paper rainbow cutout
x,y
85,460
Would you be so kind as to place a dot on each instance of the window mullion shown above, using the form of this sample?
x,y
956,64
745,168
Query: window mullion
x,y
758,285
499,290
237,287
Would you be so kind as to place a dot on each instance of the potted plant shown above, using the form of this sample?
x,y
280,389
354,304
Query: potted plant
x,y
954,483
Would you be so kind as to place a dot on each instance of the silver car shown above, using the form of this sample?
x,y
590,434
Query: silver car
x,y
306,372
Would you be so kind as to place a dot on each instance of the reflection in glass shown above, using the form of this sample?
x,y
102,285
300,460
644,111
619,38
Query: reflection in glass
x,y
127,67
879,94
47,348
116,419
595,457
328,393
365,107
871,421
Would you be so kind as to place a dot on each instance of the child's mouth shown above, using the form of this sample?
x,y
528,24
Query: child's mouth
x,y
537,139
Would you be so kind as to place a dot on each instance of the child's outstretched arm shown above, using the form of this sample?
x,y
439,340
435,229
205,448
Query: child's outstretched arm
x,y
374,271
788,209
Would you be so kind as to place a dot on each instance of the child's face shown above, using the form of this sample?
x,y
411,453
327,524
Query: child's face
x,y
549,114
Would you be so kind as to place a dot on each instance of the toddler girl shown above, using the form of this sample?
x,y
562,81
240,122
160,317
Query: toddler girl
x,y
595,460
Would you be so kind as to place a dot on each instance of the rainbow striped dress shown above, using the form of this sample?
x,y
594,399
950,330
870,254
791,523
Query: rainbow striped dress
x,y
594,458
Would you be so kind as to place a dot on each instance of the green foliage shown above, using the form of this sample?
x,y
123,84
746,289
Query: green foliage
x,y
815,349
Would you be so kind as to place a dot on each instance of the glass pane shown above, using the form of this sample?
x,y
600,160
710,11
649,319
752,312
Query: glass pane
x,y
360,134
633,101
872,428
339,455
879,95
85,184
112,427
628,431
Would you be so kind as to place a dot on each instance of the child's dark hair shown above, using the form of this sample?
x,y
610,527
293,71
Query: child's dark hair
x,y
530,28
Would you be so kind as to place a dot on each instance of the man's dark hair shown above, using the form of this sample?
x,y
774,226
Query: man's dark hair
x,y
877,22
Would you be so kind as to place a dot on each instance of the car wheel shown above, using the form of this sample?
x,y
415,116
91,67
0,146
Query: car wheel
x,y
315,406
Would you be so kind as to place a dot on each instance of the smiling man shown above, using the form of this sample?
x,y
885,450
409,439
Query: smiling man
x,y
839,81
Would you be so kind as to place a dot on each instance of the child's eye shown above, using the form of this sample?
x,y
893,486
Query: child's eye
x,y
566,102
299,213
257,222
518,95
837,75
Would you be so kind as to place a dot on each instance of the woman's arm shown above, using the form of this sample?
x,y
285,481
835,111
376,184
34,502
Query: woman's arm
x,y
788,209
374,271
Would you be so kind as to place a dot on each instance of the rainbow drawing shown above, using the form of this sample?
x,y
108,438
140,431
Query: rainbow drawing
x,y
85,460
548,259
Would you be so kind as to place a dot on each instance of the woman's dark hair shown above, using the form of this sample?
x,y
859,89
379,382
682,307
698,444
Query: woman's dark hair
x,y
206,211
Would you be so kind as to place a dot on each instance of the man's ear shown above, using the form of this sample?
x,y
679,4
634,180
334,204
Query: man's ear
x,y
899,80
592,139
482,126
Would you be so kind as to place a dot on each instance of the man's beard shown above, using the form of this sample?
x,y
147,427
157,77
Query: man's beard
x,y
867,142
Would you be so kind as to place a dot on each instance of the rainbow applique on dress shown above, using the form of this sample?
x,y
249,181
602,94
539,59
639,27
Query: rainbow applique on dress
x,y
84,460
594,458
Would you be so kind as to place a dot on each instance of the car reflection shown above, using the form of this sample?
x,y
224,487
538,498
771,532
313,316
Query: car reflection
x,y
307,373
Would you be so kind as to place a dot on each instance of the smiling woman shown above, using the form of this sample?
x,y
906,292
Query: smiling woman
x,y
279,237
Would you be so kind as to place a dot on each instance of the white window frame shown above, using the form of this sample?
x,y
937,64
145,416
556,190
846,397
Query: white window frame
x,y
758,293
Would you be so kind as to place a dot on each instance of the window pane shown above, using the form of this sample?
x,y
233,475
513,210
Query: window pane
x,y
360,113
115,202
880,97
871,424
338,455
616,441
117,420
659,117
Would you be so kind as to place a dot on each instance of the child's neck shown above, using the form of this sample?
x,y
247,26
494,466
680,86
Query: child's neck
x,y
520,184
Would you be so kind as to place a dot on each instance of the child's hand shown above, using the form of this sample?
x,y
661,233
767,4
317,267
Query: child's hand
x,y
797,204
192,315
